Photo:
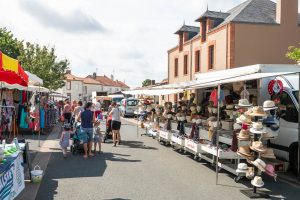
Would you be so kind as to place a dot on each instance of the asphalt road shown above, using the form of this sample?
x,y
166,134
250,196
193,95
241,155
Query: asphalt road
x,y
141,168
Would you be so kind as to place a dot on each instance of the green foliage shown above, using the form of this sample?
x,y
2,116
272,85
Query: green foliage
x,y
9,45
146,82
42,61
294,53
39,60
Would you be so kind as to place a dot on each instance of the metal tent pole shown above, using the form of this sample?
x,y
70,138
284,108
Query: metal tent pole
x,y
299,131
218,121
39,136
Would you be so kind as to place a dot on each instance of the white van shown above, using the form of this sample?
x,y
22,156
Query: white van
x,y
286,144
128,106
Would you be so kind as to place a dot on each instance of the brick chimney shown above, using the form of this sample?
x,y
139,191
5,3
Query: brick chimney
x,y
94,75
112,77
287,12
68,71
180,41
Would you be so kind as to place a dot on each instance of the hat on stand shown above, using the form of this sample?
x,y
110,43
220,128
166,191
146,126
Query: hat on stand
x,y
244,119
243,103
258,128
229,107
270,170
244,151
243,135
260,164
257,111
269,105
258,146
242,168
237,126
269,153
245,126
270,135
257,181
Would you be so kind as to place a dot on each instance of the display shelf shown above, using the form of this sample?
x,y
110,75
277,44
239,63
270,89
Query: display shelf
x,y
177,141
222,154
192,147
165,135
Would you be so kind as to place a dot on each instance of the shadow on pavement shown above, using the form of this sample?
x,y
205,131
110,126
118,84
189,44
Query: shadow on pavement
x,y
75,166
136,144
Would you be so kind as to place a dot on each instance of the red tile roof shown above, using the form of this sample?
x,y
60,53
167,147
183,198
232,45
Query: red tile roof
x,y
109,82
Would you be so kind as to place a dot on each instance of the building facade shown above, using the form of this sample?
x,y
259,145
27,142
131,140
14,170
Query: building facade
x,y
254,32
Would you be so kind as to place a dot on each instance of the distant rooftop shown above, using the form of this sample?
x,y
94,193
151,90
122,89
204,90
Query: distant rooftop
x,y
186,28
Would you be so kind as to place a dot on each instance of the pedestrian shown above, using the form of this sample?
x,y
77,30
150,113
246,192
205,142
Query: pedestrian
x,y
116,123
74,105
78,110
67,111
97,136
97,109
87,119
65,139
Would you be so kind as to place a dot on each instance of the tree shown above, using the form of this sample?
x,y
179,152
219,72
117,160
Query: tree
x,y
146,82
9,45
294,53
42,61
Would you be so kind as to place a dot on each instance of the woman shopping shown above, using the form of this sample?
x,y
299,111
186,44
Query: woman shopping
x,y
116,124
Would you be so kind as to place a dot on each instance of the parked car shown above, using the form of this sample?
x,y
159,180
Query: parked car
x,y
128,106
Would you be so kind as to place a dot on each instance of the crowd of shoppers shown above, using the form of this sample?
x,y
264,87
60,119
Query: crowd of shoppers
x,y
89,116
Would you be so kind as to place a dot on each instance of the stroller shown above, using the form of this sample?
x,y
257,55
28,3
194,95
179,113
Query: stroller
x,y
77,142
108,132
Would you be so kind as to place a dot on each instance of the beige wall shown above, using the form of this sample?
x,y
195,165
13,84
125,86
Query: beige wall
x,y
264,44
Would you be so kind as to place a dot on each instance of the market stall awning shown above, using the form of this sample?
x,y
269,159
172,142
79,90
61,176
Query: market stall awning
x,y
34,88
11,71
34,79
31,88
154,92
211,79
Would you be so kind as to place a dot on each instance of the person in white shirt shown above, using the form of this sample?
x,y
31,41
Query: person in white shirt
x,y
97,109
116,123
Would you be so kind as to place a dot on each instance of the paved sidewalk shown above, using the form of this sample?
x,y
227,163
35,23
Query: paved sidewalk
x,y
40,155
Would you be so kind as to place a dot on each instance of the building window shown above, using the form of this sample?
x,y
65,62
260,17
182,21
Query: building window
x,y
176,67
211,57
163,97
68,85
197,61
185,65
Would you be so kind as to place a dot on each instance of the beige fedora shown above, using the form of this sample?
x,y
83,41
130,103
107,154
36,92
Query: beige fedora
x,y
258,146
244,151
257,111
257,181
243,135
260,164
269,153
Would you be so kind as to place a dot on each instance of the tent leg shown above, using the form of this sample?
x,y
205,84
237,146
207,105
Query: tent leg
x,y
299,131
217,157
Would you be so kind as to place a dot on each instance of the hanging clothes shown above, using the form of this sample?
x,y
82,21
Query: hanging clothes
x,y
234,143
193,130
169,125
42,118
24,97
214,97
23,116
182,131
196,135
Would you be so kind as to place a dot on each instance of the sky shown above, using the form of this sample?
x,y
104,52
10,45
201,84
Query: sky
x,y
126,38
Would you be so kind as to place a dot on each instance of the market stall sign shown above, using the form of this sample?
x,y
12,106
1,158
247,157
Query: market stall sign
x,y
275,87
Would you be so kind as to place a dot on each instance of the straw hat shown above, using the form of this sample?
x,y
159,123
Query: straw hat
x,y
258,146
242,168
269,153
257,181
244,119
269,105
257,111
243,103
258,128
244,151
243,135
260,164
237,126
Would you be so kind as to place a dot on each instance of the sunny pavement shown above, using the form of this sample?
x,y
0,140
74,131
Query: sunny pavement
x,y
141,168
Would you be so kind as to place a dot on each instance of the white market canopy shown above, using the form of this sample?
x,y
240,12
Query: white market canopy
x,y
34,79
151,92
239,74
31,88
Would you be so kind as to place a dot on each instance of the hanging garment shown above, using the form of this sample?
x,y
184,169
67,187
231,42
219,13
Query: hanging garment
x,y
214,137
169,125
196,136
42,118
214,97
234,143
222,97
182,131
178,125
24,97
193,130
23,116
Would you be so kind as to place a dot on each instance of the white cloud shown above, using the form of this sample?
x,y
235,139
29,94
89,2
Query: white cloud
x,y
134,46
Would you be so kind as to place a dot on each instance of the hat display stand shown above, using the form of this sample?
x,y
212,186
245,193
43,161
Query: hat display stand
x,y
255,193
164,135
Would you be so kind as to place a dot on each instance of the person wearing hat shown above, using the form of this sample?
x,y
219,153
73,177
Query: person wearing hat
x,y
97,136
64,140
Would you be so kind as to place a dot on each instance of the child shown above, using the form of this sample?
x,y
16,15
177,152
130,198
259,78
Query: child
x,y
97,136
65,139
